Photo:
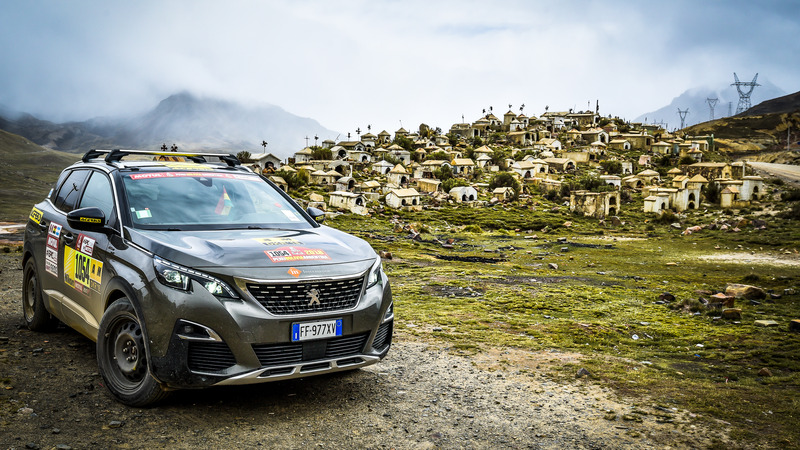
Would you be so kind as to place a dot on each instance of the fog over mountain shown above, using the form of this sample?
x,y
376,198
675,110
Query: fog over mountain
x,y
695,100
188,121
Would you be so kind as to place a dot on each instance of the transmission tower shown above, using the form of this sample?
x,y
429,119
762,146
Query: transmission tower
x,y
683,114
712,102
744,97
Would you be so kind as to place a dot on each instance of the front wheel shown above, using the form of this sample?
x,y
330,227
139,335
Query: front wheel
x,y
37,317
122,357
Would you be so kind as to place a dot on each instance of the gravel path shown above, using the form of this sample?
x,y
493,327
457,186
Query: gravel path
x,y
421,396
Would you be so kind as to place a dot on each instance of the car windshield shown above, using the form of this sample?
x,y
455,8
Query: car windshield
x,y
199,200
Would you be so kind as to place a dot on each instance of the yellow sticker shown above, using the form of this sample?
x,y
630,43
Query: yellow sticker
x,y
91,220
185,165
36,215
82,269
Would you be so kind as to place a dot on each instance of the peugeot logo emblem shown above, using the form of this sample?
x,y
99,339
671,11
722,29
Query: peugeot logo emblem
x,y
313,294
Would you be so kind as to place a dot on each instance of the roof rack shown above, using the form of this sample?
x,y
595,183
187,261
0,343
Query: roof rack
x,y
117,154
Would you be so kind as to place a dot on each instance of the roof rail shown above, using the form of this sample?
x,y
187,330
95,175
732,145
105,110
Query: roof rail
x,y
117,154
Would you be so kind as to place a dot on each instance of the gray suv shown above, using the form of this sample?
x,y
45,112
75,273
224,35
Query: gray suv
x,y
189,270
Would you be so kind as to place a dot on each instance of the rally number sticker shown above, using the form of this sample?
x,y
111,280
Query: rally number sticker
x,y
291,253
36,215
81,271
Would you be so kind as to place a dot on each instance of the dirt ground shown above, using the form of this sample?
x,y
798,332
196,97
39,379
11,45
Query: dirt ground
x,y
420,396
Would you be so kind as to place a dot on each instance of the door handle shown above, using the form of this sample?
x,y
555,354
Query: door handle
x,y
43,226
69,238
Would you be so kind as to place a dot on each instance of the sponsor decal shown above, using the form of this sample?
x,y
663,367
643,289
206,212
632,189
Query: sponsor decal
x,y
278,241
36,215
54,230
292,253
229,176
81,271
85,244
294,272
51,250
51,261
90,220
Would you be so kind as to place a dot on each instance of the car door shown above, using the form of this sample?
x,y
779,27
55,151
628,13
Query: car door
x,y
84,255
49,249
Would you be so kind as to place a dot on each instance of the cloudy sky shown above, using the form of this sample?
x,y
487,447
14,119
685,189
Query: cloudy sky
x,y
348,64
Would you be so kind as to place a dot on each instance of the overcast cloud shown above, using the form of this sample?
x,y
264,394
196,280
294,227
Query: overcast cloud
x,y
354,63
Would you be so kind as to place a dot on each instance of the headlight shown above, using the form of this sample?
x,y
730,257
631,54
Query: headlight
x,y
375,274
177,276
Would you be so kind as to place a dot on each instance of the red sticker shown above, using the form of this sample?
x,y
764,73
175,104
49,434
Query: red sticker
x,y
294,272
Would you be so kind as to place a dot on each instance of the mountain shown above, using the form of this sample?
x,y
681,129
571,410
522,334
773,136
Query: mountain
x,y
188,121
695,100
28,172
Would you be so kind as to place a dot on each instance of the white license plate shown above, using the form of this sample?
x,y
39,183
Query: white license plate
x,y
305,331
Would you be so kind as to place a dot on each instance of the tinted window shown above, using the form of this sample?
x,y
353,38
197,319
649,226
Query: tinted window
x,y
187,200
98,193
68,193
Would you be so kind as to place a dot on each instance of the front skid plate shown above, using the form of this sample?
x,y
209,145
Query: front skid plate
x,y
297,370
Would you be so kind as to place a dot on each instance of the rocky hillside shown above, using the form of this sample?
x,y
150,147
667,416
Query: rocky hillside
x,y
759,133
27,171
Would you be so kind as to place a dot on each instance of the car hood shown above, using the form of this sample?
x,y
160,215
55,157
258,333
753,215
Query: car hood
x,y
260,254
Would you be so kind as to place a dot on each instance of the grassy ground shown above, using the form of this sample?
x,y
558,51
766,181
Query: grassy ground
x,y
500,288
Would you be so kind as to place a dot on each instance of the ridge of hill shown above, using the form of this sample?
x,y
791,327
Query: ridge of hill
x,y
28,172
760,133
190,122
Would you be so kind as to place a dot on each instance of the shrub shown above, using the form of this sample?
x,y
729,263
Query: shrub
x,y
791,195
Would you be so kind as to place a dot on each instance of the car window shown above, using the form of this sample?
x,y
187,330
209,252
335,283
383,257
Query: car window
x,y
161,200
98,193
68,192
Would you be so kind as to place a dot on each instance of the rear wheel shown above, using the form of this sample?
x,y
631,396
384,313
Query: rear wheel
x,y
122,357
37,318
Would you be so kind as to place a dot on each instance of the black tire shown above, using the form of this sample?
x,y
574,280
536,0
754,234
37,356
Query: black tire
x,y
36,316
122,357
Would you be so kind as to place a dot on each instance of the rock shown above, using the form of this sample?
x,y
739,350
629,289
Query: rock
x,y
775,296
672,264
385,255
615,221
63,447
764,372
676,225
114,424
561,240
25,410
666,297
765,323
789,291
732,314
745,291
32,446
553,266
583,373
564,249
759,223
794,325
567,224
314,197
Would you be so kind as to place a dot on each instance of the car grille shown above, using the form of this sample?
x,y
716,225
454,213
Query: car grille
x,y
383,337
210,356
298,352
298,298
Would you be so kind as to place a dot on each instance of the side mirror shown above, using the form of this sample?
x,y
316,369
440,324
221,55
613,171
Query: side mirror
x,y
317,214
87,219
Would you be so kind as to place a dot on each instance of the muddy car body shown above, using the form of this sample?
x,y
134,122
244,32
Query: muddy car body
x,y
189,274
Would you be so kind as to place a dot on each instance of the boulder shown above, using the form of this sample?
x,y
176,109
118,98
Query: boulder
x,y
314,197
732,314
794,325
745,291
615,220
765,323
764,372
